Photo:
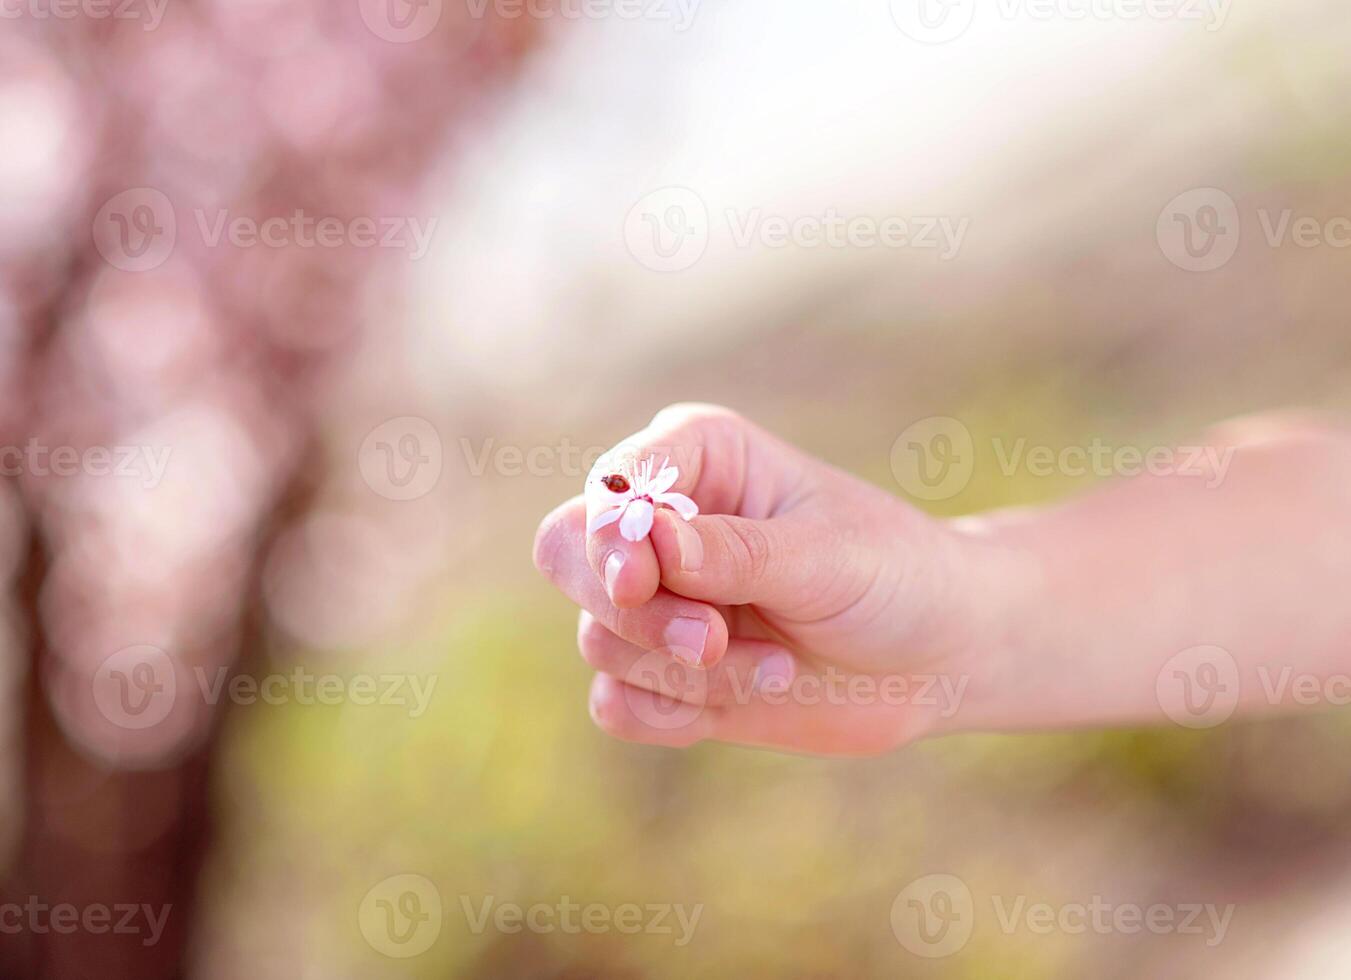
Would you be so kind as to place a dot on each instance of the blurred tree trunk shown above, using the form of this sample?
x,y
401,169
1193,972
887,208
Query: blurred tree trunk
x,y
123,818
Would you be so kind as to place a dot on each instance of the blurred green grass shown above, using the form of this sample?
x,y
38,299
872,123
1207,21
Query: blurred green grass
x,y
506,789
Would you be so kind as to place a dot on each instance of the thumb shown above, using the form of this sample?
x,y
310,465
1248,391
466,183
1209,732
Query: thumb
x,y
784,563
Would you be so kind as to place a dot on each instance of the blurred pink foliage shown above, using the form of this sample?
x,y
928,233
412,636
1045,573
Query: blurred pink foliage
x,y
200,366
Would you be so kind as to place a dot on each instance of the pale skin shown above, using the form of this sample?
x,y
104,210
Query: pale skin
x,y
829,617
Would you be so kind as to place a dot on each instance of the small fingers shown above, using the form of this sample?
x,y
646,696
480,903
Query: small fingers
x,y
786,723
748,667
679,437
628,569
694,632
635,715
794,720
752,698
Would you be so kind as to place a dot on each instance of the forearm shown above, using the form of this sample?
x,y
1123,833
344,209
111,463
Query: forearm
x,y
1083,607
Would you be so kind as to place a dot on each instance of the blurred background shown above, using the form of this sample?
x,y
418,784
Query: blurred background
x,y
310,309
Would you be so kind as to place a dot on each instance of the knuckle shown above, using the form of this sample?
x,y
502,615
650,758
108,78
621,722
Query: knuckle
x,y
730,684
754,554
592,640
613,717
689,431
627,624
605,710
687,413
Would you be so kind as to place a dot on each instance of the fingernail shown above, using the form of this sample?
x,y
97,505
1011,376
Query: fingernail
x,y
774,673
614,563
690,546
686,637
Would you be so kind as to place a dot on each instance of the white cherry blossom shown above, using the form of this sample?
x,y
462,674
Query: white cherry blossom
x,y
630,493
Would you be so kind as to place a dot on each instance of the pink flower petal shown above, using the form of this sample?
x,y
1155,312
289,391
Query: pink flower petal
x,y
680,503
637,520
604,519
663,481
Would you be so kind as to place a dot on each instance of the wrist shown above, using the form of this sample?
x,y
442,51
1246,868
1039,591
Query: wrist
x,y
1003,620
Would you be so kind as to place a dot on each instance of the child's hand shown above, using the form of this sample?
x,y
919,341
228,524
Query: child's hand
x,y
802,609
831,617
